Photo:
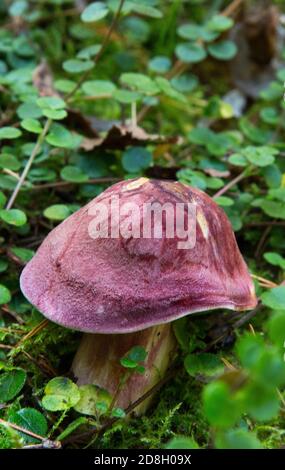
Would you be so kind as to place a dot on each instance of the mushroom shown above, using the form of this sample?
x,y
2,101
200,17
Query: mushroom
x,y
125,290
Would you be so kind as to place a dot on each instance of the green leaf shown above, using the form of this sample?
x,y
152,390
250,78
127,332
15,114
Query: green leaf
x,y
18,8
3,267
59,136
11,383
24,254
73,174
137,354
9,133
118,413
254,133
249,349
99,88
193,178
3,200
281,75
57,212
224,201
269,370
32,125
190,52
276,329
238,159
128,363
220,408
223,50
9,161
52,102
273,209
237,439
262,403
147,10
159,64
31,420
126,96
89,52
140,82
218,144
219,23
55,114
274,91
13,217
90,396
94,12
181,332
274,298
72,427
202,363
272,176
77,66
260,156
275,259
269,116
190,31
60,394
166,88
29,110
5,295
200,135
133,358
277,193
136,159
184,83
181,442
65,86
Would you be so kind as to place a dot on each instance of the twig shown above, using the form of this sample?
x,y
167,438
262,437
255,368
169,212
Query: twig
x,y
46,444
29,163
46,368
61,184
232,183
23,430
232,7
228,364
265,224
14,315
262,241
43,324
264,281
245,318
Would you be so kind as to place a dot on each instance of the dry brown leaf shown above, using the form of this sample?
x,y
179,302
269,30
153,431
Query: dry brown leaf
x,y
217,173
120,137
43,80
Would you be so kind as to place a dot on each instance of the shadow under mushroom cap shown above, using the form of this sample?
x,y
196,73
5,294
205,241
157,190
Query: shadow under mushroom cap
x,y
118,285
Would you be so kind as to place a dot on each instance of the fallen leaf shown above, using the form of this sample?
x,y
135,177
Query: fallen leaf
x,y
43,80
121,136
217,173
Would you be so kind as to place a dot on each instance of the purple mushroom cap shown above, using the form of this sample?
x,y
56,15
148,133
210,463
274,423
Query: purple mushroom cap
x,y
125,284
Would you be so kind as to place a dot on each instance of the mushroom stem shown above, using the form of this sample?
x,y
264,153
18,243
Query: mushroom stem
x,y
97,362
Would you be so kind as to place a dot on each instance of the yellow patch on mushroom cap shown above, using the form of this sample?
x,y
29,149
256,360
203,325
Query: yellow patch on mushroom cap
x,y
203,224
252,290
177,188
136,184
